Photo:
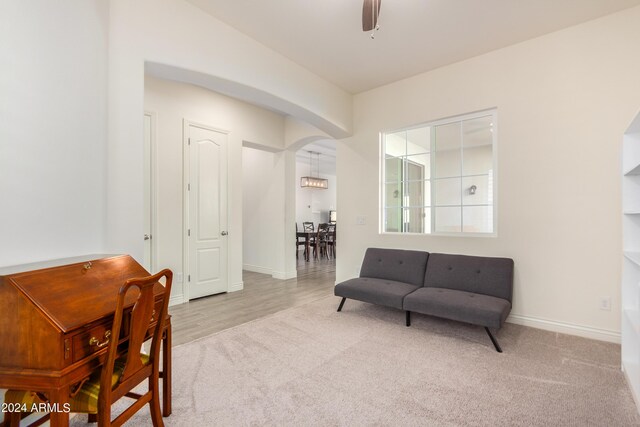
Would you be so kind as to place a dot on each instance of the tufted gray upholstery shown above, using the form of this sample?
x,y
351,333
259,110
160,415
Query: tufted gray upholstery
x,y
462,306
480,275
375,291
471,289
395,264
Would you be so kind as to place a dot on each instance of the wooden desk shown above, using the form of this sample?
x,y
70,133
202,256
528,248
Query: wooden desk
x,y
48,314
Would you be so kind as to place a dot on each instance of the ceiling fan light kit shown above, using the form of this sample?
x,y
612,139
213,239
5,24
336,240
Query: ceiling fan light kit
x,y
370,14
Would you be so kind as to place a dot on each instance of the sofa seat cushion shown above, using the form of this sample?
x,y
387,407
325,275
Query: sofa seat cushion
x,y
478,309
376,291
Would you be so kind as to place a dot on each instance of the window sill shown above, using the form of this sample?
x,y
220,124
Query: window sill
x,y
481,235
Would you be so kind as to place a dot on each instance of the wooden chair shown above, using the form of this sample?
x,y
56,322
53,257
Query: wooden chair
x,y
121,373
309,227
319,243
300,241
331,239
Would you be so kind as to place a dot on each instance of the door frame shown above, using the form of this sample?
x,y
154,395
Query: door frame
x,y
151,158
186,169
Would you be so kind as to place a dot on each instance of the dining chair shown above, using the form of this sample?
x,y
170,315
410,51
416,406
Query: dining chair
x,y
319,243
331,239
300,241
309,227
124,369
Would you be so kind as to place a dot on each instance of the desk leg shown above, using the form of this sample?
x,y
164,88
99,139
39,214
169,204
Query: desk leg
x,y
166,372
59,418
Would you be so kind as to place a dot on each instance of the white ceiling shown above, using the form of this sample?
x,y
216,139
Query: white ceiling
x,y
415,36
327,150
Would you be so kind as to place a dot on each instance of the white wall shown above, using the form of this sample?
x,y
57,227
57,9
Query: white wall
x,y
53,59
172,102
176,34
313,204
53,86
261,209
563,102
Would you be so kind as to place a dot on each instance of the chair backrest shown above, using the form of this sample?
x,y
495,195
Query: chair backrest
x,y
323,226
321,235
395,264
476,274
308,226
144,313
331,232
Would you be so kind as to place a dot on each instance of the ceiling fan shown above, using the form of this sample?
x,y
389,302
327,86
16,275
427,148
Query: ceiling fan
x,y
370,13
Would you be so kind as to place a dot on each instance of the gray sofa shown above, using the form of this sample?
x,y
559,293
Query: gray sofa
x,y
471,289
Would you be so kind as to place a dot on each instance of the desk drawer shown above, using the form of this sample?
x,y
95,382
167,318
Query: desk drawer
x,y
91,340
96,337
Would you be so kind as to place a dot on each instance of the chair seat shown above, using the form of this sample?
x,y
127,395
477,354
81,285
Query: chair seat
x,y
86,400
376,291
477,309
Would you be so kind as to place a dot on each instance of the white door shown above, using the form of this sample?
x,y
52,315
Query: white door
x,y
207,210
148,192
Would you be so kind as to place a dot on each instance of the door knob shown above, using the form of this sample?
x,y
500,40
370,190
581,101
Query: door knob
x,y
224,233
147,237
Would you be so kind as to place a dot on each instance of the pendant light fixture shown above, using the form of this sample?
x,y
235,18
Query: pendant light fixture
x,y
311,181
370,14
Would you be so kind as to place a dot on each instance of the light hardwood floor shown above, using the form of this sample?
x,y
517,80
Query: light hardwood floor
x,y
262,295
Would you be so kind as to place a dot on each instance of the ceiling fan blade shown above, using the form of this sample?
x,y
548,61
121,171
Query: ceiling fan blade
x,y
370,12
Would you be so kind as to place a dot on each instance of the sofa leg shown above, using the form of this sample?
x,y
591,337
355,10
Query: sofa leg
x,y
341,304
493,340
408,318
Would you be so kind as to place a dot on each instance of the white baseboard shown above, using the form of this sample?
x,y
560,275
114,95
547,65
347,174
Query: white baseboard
x,y
236,287
636,398
176,299
257,269
566,328
284,275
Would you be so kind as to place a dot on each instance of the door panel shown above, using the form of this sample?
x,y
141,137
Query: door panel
x,y
208,264
207,273
208,181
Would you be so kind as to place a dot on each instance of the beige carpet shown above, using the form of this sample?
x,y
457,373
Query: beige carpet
x,y
313,366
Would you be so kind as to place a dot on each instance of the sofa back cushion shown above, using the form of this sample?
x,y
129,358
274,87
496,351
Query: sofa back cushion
x,y
395,264
480,275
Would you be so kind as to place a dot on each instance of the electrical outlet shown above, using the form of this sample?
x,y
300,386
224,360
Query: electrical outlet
x,y
361,220
605,303
179,277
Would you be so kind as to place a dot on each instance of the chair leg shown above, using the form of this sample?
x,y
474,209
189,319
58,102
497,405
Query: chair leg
x,y
93,418
154,403
13,418
341,304
104,418
493,340
408,318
